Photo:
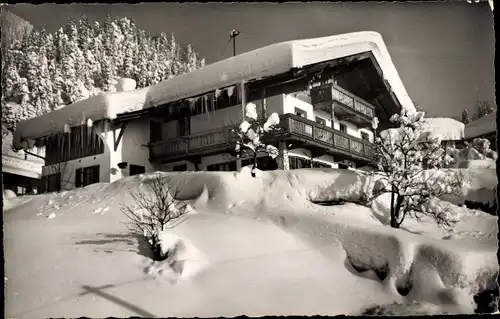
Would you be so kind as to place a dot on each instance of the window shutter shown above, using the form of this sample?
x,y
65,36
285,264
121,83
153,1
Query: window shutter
x,y
78,177
95,174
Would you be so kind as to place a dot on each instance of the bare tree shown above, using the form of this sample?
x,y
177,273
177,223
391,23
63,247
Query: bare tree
x,y
156,206
410,169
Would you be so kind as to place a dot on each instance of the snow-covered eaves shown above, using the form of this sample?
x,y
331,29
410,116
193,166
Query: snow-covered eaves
x,y
485,125
264,62
444,128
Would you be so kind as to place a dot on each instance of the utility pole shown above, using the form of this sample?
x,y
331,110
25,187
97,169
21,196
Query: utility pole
x,y
233,35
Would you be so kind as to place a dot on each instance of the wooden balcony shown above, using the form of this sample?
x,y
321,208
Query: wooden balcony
x,y
294,129
346,106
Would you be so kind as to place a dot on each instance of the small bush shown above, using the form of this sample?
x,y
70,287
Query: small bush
x,y
156,206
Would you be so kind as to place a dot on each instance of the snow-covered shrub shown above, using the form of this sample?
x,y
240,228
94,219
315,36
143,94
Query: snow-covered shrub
x,y
482,145
410,166
251,132
155,207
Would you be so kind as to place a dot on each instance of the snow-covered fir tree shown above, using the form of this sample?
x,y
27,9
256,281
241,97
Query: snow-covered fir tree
x,y
410,168
44,71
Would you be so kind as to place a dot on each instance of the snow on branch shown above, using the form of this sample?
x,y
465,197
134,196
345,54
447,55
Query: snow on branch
x,y
252,131
410,165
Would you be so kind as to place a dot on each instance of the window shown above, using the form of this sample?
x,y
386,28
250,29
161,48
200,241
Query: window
x,y
300,112
155,131
297,162
136,169
320,165
86,176
263,163
343,128
52,182
321,121
180,168
222,167
365,136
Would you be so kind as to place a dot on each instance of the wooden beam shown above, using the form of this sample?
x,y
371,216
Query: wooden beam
x,y
120,135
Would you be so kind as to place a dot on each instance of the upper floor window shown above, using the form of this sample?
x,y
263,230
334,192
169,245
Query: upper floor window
x,y
300,112
321,121
365,136
343,128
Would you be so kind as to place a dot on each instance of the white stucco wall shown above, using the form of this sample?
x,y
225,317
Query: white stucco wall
x,y
132,148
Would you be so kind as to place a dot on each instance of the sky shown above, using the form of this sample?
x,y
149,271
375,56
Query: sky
x,y
443,51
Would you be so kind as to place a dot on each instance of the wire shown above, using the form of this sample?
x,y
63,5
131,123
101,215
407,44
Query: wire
x,y
225,48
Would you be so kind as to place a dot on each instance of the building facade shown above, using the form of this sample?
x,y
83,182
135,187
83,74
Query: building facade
x,y
484,127
326,91
21,171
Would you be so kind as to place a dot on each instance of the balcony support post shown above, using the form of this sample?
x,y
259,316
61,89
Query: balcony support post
x,y
283,161
243,99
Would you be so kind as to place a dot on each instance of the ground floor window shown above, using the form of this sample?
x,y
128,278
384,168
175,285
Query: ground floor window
x,y
52,182
320,165
87,175
298,162
180,168
222,167
136,169
263,163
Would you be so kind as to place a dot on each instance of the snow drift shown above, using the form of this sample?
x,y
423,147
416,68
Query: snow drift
x,y
251,241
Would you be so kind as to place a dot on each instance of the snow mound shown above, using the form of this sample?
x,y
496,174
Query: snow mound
x,y
8,194
184,260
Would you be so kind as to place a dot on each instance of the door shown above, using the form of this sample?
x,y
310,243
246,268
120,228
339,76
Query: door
x,y
155,131
184,126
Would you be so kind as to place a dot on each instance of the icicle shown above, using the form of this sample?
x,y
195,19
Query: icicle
x,y
230,91
89,123
217,93
207,106
192,105
67,129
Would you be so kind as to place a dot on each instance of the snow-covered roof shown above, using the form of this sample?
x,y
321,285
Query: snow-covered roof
x,y
486,124
264,62
444,128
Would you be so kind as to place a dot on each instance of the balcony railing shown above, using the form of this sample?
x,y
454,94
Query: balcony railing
x,y
292,126
332,92
326,136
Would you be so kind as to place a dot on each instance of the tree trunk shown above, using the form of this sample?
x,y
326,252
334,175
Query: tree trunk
x,y
399,202
393,210
254,164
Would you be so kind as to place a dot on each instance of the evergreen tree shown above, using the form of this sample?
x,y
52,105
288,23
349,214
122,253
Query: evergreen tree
x,y
44,71
465,117
483,108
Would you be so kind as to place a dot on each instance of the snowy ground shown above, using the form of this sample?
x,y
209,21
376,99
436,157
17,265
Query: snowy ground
x,y
264,246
